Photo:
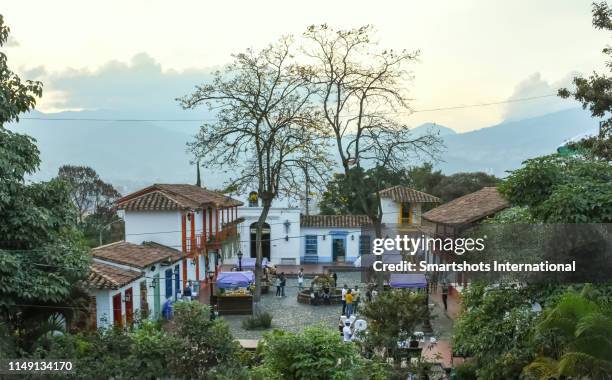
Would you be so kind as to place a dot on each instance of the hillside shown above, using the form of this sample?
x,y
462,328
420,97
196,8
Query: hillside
x,y
134,154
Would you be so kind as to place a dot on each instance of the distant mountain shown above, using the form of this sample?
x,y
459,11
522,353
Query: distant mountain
x,y
432,127
134,154
505,146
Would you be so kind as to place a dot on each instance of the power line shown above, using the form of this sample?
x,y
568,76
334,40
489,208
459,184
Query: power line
x,y
136,120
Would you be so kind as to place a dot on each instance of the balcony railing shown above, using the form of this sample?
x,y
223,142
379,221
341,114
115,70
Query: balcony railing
x,y
211,241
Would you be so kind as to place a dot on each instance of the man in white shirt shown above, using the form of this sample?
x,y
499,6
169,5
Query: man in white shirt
x,y
300,278
344,290
346,331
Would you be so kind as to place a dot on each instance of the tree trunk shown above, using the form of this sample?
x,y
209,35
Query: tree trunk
x,y
266,203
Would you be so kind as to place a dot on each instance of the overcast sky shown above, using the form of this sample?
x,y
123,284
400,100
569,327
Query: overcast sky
x,y
141,54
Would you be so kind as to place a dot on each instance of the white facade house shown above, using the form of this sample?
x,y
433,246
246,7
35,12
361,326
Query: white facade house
x,y
291,238
200,223
130,281
281,239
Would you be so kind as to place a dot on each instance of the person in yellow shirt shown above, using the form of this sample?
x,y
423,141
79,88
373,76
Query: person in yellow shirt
x,y
349,303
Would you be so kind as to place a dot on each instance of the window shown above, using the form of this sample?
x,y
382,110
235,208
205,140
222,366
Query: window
x,y
405,213
311,245
364,245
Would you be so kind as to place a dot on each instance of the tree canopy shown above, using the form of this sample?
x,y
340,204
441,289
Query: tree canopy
x,y
42,259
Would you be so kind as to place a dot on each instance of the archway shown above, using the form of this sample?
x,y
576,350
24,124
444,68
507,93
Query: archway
x,y
265,240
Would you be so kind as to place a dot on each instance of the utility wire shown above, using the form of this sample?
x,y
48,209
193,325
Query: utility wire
x,y
449,108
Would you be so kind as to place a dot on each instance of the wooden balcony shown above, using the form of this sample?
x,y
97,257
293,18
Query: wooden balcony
x,y
210,241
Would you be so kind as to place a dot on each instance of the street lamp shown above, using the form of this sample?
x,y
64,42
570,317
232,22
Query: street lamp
x,y
240,261
211,276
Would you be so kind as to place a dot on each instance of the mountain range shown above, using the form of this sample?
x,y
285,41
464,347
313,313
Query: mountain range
x,y
133,154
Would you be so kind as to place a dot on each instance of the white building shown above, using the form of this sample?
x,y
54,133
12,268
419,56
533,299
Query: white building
x,y
202,224
281,240
294,239
132,280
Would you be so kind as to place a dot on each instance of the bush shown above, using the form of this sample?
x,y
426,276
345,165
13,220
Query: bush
x,y
466,371
262,320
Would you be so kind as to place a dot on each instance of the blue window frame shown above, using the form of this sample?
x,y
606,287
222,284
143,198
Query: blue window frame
x,y
311,245
364,245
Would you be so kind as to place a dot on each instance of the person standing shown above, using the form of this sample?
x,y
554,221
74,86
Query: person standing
x,y
346,331
187,292
445,295
349,303
335,277
344,290
283,283
167,309
277,282
300,278
356,299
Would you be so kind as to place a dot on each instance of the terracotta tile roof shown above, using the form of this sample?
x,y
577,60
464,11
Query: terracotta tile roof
x,y
134,255
163,197
405,194
106,276
468,208
345,221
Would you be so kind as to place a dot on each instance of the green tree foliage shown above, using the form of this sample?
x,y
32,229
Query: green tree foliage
x,y
315,353
595,92
393,316
560,189
341,194
192,347
93,199
203,349
495,330
574,340
41,257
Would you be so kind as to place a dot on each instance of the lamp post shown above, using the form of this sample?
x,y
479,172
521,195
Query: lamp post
x,y
211,276
240,261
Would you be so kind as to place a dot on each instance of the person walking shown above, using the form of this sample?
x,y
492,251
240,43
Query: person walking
x,y
283,283
349,303
277,282
356,299
445,295
344,289
300,278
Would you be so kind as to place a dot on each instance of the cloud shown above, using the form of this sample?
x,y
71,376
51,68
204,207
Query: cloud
x,y
139,88
534,86
12,42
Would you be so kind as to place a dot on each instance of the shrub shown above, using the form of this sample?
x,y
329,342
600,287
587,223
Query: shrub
x,y
262,320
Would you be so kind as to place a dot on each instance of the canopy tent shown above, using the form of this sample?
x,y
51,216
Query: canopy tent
x,y
249,262
235,279
408,280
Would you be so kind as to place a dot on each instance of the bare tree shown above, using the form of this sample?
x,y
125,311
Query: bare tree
x,y
266,129
360,86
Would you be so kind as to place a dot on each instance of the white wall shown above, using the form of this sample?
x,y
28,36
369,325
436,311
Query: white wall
x,y
104,303
163,227
324,246
280,248
391,211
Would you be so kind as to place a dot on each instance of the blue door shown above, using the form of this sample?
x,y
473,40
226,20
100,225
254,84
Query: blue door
x,y
177,281
168,283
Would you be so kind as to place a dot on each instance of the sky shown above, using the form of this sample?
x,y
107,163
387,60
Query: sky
x,y
137,56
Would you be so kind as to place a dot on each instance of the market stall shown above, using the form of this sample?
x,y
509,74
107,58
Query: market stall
x,y
408,280
233,292
248,263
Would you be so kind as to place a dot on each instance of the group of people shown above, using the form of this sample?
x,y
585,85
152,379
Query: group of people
x,y
350,300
